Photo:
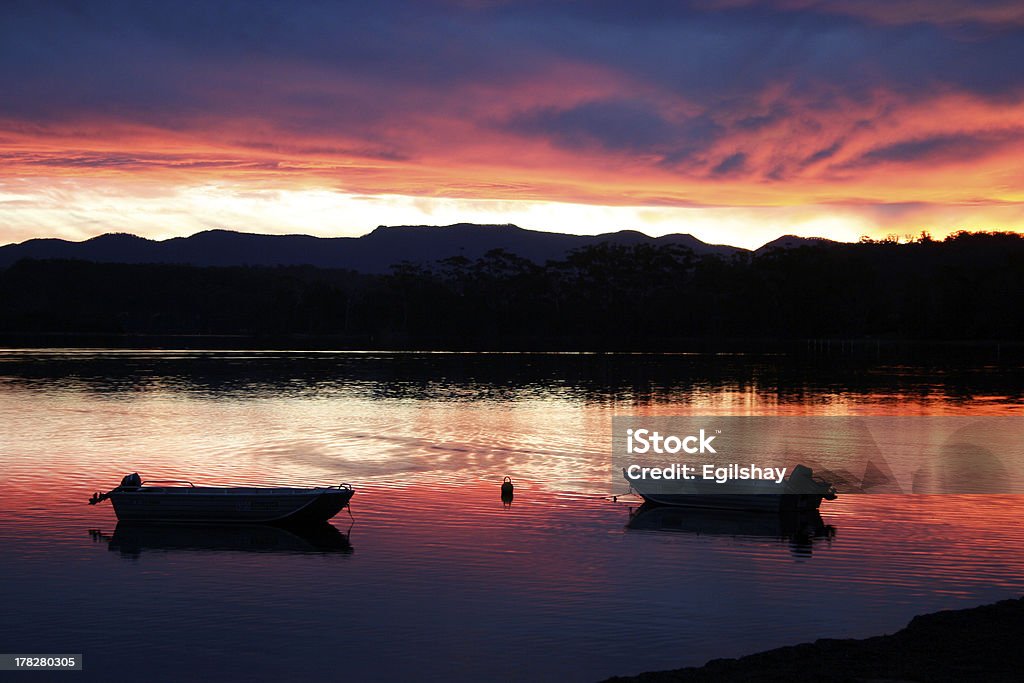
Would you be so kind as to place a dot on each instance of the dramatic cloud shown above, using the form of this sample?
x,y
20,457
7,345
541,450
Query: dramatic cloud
x,y
940,148
723,104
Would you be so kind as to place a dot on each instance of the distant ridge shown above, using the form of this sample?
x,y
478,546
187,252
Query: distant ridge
x,y
375,252
792,242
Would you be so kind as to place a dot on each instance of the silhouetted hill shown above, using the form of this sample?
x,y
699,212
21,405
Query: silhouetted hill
x,y
794,242
372,253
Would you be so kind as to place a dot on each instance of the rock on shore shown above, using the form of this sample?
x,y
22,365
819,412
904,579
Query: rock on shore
x,y
978,644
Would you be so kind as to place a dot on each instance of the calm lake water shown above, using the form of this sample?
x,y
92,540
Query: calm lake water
x,y
432,577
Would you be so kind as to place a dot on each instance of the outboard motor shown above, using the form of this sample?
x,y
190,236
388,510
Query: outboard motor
x,y
802,471
801,480
128,481
131,481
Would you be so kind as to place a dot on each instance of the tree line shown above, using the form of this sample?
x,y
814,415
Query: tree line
x,y
969,286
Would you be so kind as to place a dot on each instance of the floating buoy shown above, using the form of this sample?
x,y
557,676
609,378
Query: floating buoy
x,y
507,491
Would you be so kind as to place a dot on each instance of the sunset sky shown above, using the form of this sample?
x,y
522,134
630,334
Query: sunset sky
x,y
734,120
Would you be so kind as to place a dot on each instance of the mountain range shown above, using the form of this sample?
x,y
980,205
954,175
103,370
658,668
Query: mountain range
x,y
375,252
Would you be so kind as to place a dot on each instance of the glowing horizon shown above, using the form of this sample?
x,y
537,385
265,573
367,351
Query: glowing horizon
x,y
734,121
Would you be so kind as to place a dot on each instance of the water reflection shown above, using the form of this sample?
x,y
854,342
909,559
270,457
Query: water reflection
x,y
448,581
709,381
132,539
800,529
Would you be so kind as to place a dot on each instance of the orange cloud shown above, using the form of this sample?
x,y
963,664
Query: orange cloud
x,y
879,119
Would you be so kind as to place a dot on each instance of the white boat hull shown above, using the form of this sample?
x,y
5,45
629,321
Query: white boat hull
x,y
229,505
752,495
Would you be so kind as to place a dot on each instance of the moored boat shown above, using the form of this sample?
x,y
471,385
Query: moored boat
x,y
800,491
138,501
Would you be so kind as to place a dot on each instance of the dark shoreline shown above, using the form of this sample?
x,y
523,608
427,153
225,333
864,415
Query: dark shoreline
x,y
868,300
976,644
864,349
